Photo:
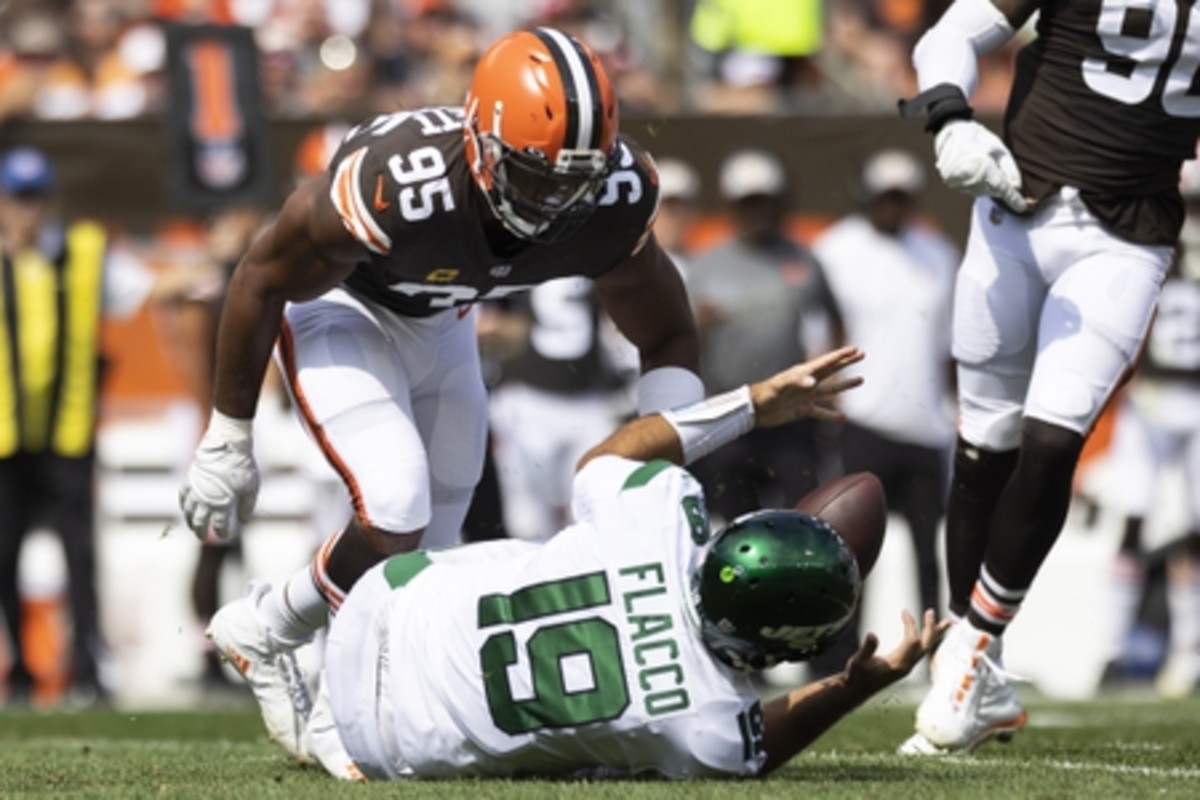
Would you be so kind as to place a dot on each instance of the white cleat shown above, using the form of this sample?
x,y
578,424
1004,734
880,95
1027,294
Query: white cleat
x,y
970,701
918,745
268,666
322,743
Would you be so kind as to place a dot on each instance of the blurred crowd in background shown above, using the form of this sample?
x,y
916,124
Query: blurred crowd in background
x,y
104,59
335,62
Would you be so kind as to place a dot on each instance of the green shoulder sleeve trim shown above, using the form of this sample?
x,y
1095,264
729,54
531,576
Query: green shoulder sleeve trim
x,y
645,473
401,569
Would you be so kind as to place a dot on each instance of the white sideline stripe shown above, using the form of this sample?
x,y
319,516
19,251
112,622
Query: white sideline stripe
x,y
968,761
1125,769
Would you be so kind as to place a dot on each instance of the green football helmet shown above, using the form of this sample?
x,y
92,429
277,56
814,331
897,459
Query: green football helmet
x,y
774,586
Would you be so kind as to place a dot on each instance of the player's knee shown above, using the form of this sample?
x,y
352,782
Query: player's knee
x,y
387,503
993,428
1066,401
1051,444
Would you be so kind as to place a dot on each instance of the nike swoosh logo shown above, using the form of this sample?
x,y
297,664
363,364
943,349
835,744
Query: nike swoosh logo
x,y
380,203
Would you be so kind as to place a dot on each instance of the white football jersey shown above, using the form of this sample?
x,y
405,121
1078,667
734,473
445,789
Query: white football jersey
x,y
580,656
894,293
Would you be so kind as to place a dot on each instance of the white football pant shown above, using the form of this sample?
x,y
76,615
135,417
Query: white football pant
x,y
397,405
1049,312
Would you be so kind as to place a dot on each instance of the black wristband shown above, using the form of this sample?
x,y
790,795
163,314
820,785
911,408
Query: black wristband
x,y
944,102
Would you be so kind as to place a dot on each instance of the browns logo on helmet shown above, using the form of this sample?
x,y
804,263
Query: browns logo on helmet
x,y
541,131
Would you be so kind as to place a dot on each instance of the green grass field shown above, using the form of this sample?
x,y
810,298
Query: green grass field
x,y
1118,748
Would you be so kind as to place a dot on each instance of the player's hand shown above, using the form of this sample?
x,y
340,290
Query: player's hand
x,y
805,390
222,482
972,159
871,672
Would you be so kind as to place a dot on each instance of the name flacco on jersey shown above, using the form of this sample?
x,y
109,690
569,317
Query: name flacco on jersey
x,y
653,629
402,187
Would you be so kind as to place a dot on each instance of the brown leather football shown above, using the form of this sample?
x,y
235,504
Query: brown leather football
x,y
856,507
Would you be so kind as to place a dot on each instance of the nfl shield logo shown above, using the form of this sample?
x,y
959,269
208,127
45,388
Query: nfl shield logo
x,y
500,270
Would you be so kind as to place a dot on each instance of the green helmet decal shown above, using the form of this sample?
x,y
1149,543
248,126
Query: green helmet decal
x,y
774,586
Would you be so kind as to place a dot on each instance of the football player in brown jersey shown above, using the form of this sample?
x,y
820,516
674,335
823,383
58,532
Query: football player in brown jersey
x,y
364,285
1076,213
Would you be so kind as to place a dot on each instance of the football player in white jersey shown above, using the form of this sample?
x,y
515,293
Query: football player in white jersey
x,y
624,644
365,284
1077,210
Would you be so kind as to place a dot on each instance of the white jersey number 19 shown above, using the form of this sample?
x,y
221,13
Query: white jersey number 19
x,y
587,647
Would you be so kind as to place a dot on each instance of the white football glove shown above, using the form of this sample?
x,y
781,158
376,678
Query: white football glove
x,y
222,482
972,159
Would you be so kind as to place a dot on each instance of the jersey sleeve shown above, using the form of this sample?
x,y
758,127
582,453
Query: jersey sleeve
x,y
603,480
346,192
599,480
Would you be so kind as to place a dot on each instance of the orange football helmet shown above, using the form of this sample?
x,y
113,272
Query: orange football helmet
x,y
541,131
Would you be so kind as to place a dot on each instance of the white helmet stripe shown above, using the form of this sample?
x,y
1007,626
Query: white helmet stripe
x,y
577,74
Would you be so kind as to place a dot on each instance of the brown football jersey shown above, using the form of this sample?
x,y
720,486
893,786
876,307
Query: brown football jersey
x,y
566,353
403,188
1107,99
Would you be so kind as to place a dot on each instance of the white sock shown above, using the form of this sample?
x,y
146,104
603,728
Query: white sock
x,y
295,610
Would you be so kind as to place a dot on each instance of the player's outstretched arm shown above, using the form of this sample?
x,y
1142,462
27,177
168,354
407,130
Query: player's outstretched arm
x,y
299,255
302,253
684,434
795,720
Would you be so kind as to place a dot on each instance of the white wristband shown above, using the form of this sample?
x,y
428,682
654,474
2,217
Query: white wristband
x,y
229,429
668,387
703,427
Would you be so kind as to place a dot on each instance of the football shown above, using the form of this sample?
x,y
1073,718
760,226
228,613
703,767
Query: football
x,y
856,507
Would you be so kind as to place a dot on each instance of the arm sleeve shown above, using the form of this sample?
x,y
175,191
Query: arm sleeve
x,y
950,50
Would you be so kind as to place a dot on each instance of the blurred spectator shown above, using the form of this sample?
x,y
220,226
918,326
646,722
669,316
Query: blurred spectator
x,y
893,279
1158,428
757,52
356,57
905,20
33,40
761,302
102,74
445,42
393,63
678,194
868,54
64,276
870,63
